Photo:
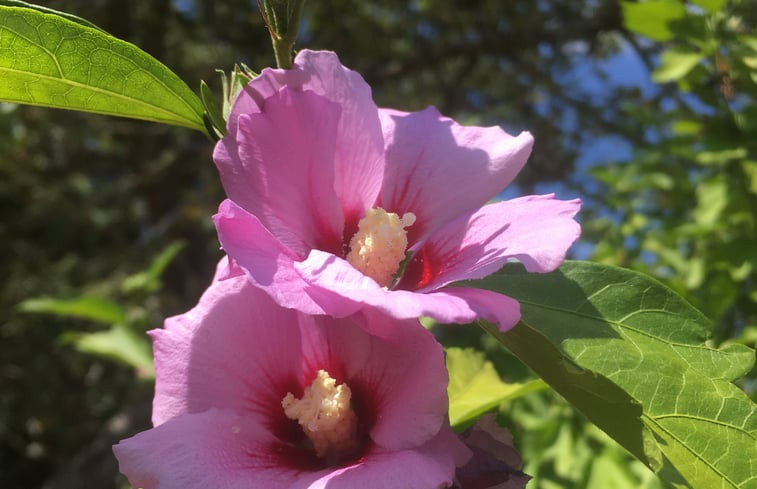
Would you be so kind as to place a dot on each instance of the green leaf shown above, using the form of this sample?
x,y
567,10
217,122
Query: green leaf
x,y
118,343
475,387
686,127
47,10
750,61
53,60
712,198
632,356
711,6
750,169
212,110
240,76
84,307
652,18
674,65
721,157
149,280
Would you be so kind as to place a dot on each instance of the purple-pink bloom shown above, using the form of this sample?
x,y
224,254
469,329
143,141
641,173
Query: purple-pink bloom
x,y
328,193
227,370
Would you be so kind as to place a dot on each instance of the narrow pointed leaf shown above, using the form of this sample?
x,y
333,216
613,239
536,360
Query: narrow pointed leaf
x,y
84,307
212,110
610,340
149,280
120,344
60,61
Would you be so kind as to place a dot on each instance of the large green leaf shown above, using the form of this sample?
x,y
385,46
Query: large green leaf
x,y
47,10
633,357
54,60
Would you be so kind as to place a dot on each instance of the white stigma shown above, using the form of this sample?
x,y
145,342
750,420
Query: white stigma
x,y
325,415
378,247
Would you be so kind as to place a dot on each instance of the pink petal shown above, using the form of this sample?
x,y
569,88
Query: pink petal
x,y
490,306
358,160
235,350
429,466
268,264
399,377
537,230
227,267
216,449
285,171
340,290
439,170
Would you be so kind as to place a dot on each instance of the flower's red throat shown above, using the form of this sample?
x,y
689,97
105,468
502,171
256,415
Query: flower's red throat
x,y
326,417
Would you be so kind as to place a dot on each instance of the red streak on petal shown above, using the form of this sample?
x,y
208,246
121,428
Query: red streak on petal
x,y
351,220
329,242
420,271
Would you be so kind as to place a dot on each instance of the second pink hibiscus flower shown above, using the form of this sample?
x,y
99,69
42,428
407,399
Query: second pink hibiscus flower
x,y
335,204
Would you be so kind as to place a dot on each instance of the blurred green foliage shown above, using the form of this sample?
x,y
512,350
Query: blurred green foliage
x,y
685,207
125,340
85,201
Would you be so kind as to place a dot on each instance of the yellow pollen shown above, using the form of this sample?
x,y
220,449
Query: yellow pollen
x,y
378,247
325,415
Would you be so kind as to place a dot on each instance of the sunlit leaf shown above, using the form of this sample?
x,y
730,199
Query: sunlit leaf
x,y
610,469
84,307
750,61
750,168
686,126
237,80
652,18
711,6
712,198
634,358
721,157
46,10
58,61
475,387
119,343
674,65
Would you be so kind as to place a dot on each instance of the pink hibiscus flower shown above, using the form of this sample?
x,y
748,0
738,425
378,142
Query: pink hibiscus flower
x,y
250,395
329,194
